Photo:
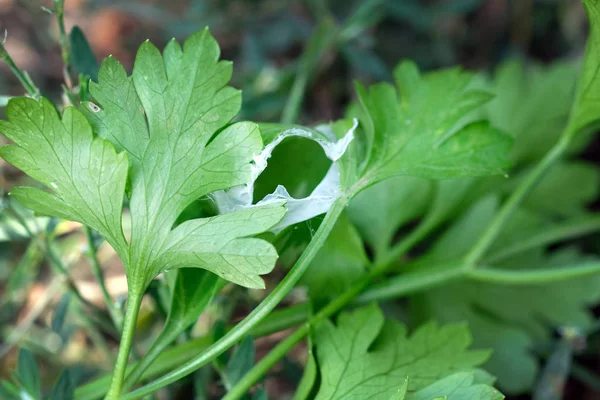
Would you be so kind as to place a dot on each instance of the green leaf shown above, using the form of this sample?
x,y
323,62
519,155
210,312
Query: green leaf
x,y
219,244
240,363
380,210
532,104
459,238
82,57
500,316
85,173
175,157
338,264
587,101
367,357
170,121
566,190
64,389
28,373
431,131
459,386
58,320
401,394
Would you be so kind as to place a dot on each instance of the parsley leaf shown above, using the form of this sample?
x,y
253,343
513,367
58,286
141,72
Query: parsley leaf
x,y
459,386
431,131
566,190
367,357
169,119
587,101
85,173
532,104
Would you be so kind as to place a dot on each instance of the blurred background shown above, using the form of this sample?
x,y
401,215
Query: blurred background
x,y
278,47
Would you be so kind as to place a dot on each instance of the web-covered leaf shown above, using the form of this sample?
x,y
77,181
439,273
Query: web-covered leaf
x,y
430,129
366,357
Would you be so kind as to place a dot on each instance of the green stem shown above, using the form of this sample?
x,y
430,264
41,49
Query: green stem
x,y
492,231
114,311
321,39
159,345
281,319
63,38
567,230
410,283
265,307
133,308
534,277
23,77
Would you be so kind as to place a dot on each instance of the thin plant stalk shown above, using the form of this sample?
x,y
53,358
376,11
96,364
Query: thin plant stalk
x,y
63,38
22,76
320,41
133,307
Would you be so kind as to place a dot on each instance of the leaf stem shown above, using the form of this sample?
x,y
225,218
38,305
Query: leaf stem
x,y
161,342
65,47
114,311
265,307
533,277
321,39
516,198
22,76
133,307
